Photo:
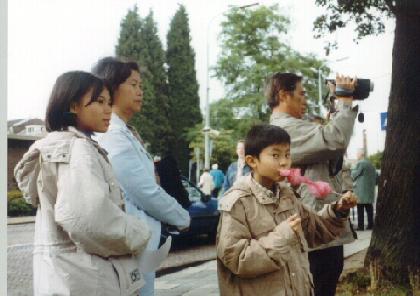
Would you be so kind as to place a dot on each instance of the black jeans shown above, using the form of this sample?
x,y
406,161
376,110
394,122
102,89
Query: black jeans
x,y
215,192
326,266
361,216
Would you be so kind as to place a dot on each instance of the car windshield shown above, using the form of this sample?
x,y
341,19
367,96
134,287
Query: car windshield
x,y
193,193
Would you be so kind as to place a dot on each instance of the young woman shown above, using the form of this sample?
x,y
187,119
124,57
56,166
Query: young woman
x,y
84,243
132,164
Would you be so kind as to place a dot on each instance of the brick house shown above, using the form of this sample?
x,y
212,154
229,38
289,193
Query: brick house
x,y
21,134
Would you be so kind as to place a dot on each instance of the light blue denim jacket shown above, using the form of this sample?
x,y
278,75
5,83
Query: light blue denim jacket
x,y
144,198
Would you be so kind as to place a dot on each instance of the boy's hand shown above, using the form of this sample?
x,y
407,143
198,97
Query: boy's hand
x,y
294,222
346,202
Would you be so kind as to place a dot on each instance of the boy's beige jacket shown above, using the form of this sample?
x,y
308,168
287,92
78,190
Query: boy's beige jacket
x,y
257,251
84,243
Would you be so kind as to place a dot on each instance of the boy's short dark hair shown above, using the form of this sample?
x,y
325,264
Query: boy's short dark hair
x,y
261,136
70,88
280,81
114,71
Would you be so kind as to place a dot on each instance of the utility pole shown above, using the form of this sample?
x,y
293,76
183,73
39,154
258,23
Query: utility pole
x,y
207,128
365,143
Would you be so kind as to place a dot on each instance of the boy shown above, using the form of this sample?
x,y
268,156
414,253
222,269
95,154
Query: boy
x,y
264,231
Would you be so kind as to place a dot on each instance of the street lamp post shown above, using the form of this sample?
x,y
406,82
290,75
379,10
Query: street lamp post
x,y
206,128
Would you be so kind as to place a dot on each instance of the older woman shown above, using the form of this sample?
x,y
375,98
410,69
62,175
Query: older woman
x,y
132,164
84,242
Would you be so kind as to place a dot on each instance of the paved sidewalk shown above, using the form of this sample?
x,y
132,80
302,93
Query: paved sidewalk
x,y
202,280
20,220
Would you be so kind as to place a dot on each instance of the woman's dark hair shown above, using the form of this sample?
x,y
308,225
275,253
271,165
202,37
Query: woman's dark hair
x,y
70,88
264,135
114,71
280,81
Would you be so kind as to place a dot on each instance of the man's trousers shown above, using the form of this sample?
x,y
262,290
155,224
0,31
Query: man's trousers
x,y
326,266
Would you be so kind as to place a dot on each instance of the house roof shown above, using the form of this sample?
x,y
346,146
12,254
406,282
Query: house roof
x,y
19,125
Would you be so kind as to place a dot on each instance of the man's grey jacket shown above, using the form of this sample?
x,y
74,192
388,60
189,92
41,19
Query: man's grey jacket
x,y
316,149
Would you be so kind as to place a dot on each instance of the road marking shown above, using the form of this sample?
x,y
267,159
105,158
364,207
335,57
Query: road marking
x,y
20,246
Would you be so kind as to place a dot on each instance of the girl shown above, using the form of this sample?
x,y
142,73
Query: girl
x,y
84,242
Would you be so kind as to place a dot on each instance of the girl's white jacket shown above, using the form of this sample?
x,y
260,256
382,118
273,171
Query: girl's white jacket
x,y
85,244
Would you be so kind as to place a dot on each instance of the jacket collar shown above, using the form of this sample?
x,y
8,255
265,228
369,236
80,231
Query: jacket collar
x,y
262,194
80,134
117,121
279,115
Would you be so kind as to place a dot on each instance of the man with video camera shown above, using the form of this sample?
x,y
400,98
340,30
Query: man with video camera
x,y
317,150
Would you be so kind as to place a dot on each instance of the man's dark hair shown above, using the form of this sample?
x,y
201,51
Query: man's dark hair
x,y
261,136
68,89
280,81
114,71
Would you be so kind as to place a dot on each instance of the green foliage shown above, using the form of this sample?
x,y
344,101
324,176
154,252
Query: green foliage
x,y
376,159
13,194
254,45
368,16
139,40
184,102
223,150
223,145
17,205
128,41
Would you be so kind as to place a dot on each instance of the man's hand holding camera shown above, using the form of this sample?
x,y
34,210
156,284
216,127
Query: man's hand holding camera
x,y
345,87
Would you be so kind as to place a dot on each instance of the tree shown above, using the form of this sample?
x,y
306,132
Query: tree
x,y
139,40
376,159
253,47
394,251
184,102
152,59
223,145
128,45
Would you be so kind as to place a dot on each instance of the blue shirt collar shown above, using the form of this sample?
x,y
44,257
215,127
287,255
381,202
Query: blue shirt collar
x,y
117,121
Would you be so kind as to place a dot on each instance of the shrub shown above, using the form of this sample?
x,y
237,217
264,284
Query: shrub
x,y
17,205
376,159
14,194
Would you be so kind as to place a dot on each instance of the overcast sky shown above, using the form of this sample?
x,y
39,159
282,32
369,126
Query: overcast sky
x,y
49,37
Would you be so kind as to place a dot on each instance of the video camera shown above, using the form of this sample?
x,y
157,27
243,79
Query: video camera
x,y
362,89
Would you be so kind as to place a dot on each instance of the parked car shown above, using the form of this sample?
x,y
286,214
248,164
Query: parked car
x,y
203,212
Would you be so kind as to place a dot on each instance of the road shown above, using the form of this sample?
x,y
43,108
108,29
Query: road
x,y
181,273
20,247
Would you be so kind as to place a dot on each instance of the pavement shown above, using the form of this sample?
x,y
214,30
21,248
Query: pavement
x,y
20,220
182,273
202,279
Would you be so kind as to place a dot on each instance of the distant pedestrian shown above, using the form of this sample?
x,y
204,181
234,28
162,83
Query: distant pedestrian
x,y
364,177
84,242
218,178
236,169
264,230
206,182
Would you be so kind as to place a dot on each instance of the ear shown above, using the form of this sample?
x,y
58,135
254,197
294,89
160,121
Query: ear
x,y
282,96
74,107
251,161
